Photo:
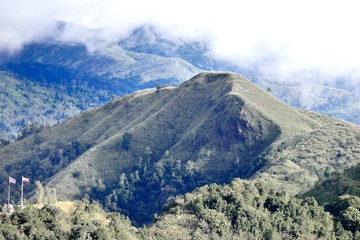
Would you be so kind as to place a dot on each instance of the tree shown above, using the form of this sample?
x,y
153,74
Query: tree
x,y
40,192
148,153
30,129
4,142
158,87
347,210
126,139
350,219
50,195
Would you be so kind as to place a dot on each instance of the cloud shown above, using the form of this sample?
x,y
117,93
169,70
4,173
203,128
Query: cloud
x,y
278,36
20,24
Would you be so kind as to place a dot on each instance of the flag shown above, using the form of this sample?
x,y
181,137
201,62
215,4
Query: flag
x,y
24,179
12,180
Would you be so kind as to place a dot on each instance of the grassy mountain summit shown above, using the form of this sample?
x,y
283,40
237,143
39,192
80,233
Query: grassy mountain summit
x,y
137,151
207,125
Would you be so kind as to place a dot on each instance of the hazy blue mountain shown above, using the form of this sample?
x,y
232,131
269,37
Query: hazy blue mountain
x,y
329,97
71,71
308,90
149,39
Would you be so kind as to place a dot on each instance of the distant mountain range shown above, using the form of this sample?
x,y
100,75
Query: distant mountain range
x,y
137,151
309,90
61,78
69,72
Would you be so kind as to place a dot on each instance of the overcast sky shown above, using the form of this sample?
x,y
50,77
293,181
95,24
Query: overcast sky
x,y
299,35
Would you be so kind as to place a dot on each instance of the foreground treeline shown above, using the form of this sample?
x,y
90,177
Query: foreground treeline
x,y
81,220
240,210
253,210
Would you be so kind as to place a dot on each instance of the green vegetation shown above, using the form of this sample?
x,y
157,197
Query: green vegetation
x,y
81,220
249,210
23,102
240,210
347,212
43,164
339,183
125,144
298,163
138,151
51,81
30,129
136,154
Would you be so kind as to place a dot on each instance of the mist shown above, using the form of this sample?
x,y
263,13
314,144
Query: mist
x,y
278,38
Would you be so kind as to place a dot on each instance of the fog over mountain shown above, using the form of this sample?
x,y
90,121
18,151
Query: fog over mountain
x,y
298,52
277,38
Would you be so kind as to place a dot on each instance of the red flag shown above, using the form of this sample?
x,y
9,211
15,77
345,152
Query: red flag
x,y
12,180
24,179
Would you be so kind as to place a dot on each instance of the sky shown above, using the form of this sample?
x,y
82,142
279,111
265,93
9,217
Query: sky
x,y
284,37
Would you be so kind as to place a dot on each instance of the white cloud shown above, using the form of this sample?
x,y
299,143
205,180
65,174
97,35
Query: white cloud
x,y
284,36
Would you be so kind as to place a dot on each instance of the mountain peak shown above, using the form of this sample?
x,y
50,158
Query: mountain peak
x,y
209,77
256,99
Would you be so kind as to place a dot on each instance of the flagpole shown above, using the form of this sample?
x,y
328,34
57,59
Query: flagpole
x,y
8,206
22,192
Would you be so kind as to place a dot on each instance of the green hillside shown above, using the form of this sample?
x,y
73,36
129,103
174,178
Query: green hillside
x,y
23,101
303,160
139,150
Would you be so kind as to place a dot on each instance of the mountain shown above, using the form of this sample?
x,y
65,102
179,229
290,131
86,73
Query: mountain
x,y
73,72
311,90
23,101
327,95
152,40
137,151
109,62
84,74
